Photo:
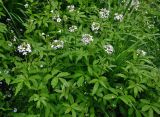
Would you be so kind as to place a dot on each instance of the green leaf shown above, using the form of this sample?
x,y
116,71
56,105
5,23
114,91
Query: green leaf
x,y
138,114
65,83
54,72
135,92
130,111
125,99
27,83
113,91
90,70
95,88
63,74
38,104
121,75
68,110
102,83
109,96
80,81
19,87
93,81
150,113
47,77
156,110
2,28
76,107
146,108
73,113
54,82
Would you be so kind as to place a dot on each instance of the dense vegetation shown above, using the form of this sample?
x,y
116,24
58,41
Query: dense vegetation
x,y
79,58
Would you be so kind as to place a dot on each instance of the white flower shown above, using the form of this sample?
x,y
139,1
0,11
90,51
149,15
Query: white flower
x,y
14,38
87,38
60,31
51,11
26,5
21,29
12,31
24,48
1,83
70,8
9,95
15,110
8,20
141,52
72,28
57,18
95,26
56,44
118,17
6,71
109,48
135,4
10,44
41,65
104,13
43,34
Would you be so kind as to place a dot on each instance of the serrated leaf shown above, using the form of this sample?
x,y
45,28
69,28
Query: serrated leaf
x,y
95,88
65,83
90,70
80,81
102,83
54,82
73,113
121,75
38,104
47,77
27,83
19,87
146,108
125,99
76,107
130,111
150,113
135,92
68,110
63,74
109,96
156,110
113,91
54,72
93,81
138,114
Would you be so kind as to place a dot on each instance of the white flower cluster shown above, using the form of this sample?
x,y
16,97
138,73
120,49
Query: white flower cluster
x,y
72,28
135,4
26,5
57,18
56,44
118,17
95,26
24,48
71,8
8,20
87,38
14,110
104,13
109,48
14,38
141,52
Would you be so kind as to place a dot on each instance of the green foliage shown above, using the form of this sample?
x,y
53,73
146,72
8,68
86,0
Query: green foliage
x,y
56,63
